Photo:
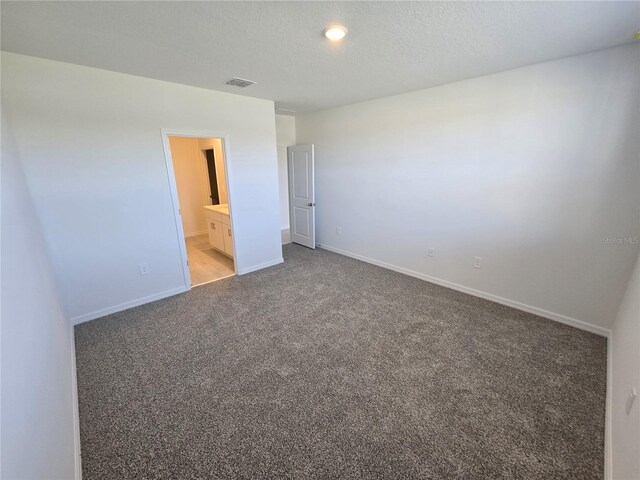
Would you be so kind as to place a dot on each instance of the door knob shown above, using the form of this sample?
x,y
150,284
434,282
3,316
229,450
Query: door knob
x,y
311,204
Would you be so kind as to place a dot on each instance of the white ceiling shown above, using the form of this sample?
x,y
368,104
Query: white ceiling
x,y
391,48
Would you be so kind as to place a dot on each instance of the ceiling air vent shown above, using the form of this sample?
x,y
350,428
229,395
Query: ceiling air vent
x,y
239,82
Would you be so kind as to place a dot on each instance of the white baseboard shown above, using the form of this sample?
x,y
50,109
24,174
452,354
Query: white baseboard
x,y
195,234
589,327
260,266
124,306
76,409
608,420
286,235
158,296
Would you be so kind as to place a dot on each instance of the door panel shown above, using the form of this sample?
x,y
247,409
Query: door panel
x,y
300,177
302,195
301,223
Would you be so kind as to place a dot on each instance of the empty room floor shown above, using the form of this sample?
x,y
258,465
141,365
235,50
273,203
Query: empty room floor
x,y
205,262
327,367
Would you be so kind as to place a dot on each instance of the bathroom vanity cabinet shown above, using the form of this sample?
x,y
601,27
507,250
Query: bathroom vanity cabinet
x,y
219,228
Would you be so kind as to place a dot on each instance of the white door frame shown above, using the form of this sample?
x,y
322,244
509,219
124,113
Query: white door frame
x,y
173,189
309,203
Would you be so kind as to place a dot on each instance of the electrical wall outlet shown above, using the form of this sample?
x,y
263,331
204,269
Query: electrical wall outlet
x,y
477,262
144,268
339,231
431,252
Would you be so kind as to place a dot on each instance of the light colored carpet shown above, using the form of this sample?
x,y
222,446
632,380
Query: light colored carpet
x,y
326,367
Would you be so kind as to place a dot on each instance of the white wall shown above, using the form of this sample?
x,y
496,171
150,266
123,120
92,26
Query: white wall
x,y
286,136
625,374
528,169
188,167
93,157
37,368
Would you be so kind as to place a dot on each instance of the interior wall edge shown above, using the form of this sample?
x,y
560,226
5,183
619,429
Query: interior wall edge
x,y
608,420
286,236
76,408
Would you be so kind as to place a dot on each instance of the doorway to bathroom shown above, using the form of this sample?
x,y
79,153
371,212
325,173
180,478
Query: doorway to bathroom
x,y
198,167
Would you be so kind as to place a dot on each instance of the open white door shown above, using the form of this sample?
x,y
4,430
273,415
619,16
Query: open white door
x,y
301,195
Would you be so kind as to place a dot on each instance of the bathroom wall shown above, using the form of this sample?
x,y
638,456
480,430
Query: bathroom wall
x,y
191,176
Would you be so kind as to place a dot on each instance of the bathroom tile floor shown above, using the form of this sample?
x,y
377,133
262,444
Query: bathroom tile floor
x,y
206,264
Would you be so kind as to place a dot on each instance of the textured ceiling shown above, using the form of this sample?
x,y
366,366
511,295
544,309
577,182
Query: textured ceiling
x,y
391,48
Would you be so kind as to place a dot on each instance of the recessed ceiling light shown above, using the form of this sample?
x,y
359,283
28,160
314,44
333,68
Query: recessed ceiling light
x,y
335,32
